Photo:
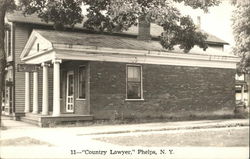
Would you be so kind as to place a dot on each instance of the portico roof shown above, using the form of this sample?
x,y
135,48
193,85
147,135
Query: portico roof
x,y
46,45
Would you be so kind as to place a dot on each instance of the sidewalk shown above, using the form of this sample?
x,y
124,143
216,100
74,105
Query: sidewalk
x,y
127,128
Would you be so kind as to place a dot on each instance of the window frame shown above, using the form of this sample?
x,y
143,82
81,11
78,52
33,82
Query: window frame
x,y
78,82
141,82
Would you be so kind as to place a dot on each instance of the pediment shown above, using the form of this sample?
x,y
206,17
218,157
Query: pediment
x,y
36,44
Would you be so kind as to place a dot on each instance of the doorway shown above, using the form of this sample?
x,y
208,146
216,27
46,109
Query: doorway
x,y
70,92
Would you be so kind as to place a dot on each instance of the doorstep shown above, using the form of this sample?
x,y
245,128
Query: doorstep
x,y
50,121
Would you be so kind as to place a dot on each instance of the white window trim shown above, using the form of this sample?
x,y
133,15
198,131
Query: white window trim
x,y
131,100
81,99
78,88
141,99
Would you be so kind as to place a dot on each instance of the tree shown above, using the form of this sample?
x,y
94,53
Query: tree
x,y
122,14
119,15
5,5
60,12
241,31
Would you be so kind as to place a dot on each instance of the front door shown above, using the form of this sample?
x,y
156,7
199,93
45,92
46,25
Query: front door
x,y
70,92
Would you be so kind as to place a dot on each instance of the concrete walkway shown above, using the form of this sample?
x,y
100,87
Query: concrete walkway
x,y
126,128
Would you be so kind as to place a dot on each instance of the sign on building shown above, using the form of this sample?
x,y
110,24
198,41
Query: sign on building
x,y
27,68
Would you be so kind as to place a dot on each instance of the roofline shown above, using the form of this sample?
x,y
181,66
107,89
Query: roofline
x,y
212,42
79,52
156,38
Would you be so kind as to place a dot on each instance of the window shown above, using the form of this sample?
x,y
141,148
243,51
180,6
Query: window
x,y
82,82
8,43
134,82
37,47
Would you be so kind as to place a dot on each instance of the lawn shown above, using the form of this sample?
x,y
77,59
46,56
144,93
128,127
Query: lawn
x,y
219,137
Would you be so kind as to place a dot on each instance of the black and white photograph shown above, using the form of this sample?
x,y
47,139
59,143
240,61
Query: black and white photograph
x,y
124,79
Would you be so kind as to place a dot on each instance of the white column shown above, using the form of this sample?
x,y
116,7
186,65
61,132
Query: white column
x,y
45,104
27,92
56,87
35,92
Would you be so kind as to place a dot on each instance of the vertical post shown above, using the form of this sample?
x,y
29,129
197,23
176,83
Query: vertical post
x,y
56,87
242,92
27,92
248,85
45,104
35,92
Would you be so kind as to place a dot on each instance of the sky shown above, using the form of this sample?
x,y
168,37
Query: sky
x,y
217,21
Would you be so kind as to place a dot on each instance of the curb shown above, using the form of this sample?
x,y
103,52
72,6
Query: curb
x,y
171,128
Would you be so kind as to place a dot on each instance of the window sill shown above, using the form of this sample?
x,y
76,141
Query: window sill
x,y
68,113
80,99
134,100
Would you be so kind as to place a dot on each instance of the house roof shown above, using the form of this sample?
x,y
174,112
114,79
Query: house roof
x,y
98,40
155,31
116,42
63,45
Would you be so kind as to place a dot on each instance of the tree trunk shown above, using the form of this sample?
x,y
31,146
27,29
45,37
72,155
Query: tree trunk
x,y
2,55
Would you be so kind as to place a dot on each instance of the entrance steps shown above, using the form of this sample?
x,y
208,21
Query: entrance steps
x,y
48,120
31,118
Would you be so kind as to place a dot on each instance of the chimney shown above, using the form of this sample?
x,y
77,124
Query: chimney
x,y
143,29
198,22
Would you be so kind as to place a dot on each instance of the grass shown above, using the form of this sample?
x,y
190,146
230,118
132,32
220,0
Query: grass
x,y
219,138
22,141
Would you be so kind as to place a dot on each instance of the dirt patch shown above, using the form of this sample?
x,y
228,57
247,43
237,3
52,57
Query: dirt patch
x,y
23,141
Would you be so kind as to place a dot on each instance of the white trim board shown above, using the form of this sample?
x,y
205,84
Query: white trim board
x,y
93,53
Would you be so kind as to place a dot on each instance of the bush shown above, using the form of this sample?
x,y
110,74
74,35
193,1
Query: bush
x,y
241,110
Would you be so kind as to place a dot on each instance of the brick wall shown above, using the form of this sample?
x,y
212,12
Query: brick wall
x,y
169,91
143,29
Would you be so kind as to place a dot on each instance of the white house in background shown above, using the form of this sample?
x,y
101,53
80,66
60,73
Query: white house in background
x,y
241,89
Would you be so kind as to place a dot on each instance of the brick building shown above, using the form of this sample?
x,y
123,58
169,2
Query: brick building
x,y
81,75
